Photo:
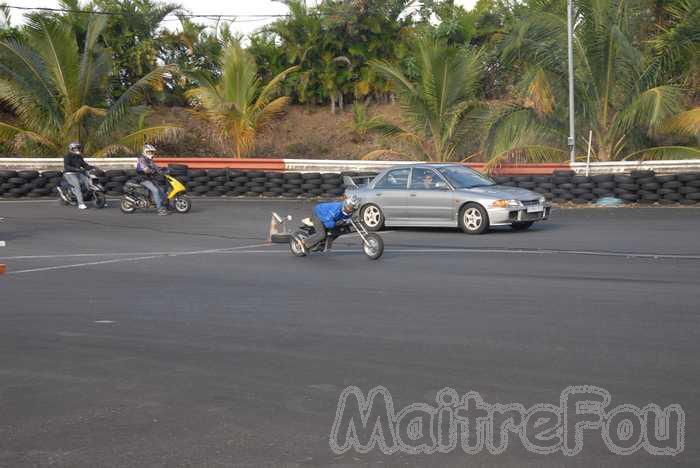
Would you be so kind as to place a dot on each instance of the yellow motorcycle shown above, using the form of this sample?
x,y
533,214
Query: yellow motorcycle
x,y
136,196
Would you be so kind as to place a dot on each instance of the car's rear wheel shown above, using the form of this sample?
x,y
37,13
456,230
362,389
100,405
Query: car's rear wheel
x,y
372,217
473,219
522,226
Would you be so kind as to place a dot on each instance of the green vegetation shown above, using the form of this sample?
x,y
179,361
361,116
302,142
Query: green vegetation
x,y
58,92
482,84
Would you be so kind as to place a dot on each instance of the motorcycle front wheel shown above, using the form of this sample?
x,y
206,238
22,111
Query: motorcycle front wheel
x,y
181,204
373,247
100,200
295,245
126,206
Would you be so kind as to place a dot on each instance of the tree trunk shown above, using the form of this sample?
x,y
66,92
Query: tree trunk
x,y
332,104
340,102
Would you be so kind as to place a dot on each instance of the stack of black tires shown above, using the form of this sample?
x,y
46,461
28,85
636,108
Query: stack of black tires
x,y
537,183
647,188
32,184
561,187
226,182
644,187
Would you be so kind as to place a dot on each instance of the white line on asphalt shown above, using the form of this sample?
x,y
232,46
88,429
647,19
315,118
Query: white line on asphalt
x,y
79,265
501,251
133,259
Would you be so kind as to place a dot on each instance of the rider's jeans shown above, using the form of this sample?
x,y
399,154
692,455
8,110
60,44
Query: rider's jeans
x,y
75,180
319,235
156,193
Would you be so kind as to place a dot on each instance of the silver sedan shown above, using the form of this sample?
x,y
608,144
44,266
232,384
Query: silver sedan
x,y
446,195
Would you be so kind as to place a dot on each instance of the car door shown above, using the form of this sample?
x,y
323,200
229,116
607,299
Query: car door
x,y
391,193
430,198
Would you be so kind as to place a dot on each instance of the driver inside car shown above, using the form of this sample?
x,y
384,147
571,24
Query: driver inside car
x,y
428,181
328,216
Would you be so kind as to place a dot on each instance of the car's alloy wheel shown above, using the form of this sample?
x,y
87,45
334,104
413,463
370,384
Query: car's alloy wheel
x,y
474,219
372,217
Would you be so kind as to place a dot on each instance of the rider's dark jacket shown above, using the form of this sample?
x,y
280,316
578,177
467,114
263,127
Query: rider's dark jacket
x,y
74,163
146,168
330,213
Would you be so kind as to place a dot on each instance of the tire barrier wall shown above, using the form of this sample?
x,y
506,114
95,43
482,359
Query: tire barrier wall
x,y
563,186
199,182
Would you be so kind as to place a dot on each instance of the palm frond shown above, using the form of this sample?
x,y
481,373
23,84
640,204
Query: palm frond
x,y
650,109
526,154
118,110
58,48
272,86
271,110
664,153
381,155
685,123
134,141
95,63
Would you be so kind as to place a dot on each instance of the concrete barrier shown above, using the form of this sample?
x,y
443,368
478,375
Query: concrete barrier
x,y
319,165
625,167
56,164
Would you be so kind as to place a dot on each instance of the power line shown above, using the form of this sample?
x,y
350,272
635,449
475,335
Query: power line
x,y
117,13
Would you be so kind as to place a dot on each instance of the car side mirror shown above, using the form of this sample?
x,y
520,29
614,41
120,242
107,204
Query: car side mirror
x,y
441,186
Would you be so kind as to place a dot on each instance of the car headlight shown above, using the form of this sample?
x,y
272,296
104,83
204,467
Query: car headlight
x,y
542,200
506,204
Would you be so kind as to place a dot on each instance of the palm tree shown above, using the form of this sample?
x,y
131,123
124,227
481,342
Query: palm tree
x,y
437,105
60,94
620,95
238,105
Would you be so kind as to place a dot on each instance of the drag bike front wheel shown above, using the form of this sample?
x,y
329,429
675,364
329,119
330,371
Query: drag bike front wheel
x,y
373,246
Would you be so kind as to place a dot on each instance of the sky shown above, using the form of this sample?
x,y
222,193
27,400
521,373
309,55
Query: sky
x,y
206,7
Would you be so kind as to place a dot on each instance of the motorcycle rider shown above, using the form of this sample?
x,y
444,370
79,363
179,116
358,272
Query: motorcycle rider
x,y
148,170
327,216
74,167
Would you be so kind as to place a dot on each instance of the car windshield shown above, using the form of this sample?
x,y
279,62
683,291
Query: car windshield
x,y
463,177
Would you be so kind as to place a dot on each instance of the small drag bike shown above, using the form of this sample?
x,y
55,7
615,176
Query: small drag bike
x,y
372,244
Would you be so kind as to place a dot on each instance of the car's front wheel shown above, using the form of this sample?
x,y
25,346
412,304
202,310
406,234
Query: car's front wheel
x,y
372,217
473,219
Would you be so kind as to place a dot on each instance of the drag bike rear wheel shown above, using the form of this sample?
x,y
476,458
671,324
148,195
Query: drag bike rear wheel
x,y
295,244
374,246
126,206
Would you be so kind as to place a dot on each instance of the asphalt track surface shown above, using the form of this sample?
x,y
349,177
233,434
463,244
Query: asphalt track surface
x,y
187,341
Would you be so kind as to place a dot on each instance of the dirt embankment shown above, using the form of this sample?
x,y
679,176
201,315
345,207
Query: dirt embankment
x,y
303,132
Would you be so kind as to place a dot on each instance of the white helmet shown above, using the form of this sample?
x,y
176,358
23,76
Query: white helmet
x,y
351,203
75,148
149,151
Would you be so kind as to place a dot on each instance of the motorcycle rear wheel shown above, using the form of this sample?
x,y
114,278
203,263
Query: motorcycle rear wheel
x,y
126,206
374,247
100,200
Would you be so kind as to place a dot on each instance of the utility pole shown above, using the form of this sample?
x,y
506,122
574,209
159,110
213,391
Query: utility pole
x,y
570,36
